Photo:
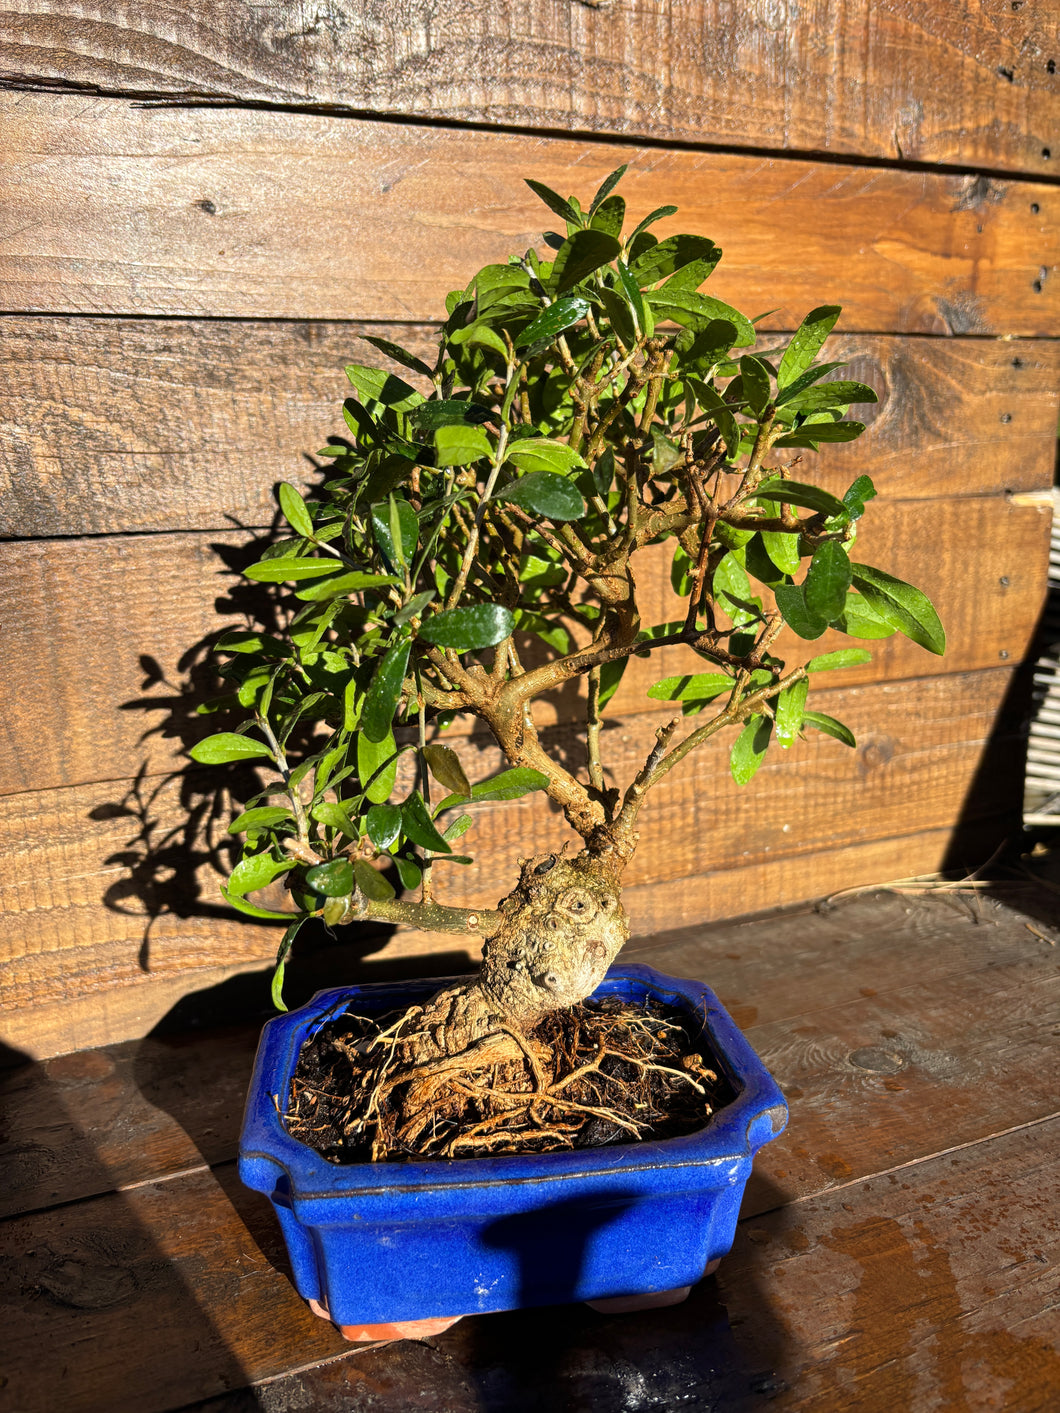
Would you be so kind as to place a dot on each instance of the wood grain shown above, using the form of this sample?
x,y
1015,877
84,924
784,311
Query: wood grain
x,y
85,877
105,661
111,208
86,1123
111,425
941,83
130,1002
915,1197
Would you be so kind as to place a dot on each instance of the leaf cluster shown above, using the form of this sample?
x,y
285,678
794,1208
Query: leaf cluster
x,y
473,543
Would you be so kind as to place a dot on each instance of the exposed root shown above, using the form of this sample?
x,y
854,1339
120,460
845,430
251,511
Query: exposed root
x,y
595,1074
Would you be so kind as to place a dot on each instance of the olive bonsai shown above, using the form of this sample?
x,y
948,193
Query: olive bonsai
x,y
473,546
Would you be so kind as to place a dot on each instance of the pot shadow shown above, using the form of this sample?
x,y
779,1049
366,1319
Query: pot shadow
x,y
572,1358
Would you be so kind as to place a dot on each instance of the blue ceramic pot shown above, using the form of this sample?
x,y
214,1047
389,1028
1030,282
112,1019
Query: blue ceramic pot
x,y
387,1243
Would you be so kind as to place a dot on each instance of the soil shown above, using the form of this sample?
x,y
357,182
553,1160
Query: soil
x,y
597,1074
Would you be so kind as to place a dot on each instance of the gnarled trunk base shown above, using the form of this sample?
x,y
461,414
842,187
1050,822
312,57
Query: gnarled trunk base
x,y
561,928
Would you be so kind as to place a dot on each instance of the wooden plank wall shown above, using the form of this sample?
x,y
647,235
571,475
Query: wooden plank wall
x,y
203,210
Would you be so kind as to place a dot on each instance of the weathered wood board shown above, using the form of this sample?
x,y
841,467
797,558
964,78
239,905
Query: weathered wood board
x,y
105,655
119,209
85,874
116,425
940,83
898,1244
130,1001
86,1123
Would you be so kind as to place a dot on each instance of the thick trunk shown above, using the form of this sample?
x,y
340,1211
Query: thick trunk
x,y
561,928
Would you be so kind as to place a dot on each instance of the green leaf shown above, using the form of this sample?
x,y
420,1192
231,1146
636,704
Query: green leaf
x,y
256,872
674,253
695,687
826,395
829,726
286,943
444,764
806,342
857,493
810,433
384,514
260,818
351,583
696,311
827,581
620,315
553,321
371,882
606,187
554,201
252,909
733,588
543,454
398,354
749,749
659,214
792,604
458,828
461,445
791,704
333,879
377,764
450,412
384,691
861,621
479,625
610,216
240,641
797,493
610,678
227,746
376,385
335,816
632,292
899,603
279,571
409,872
294,509
509,785
543,493
783,550
756,385
580,255
420,827
759,565
790,391
481,334
383,823
843,657
720,413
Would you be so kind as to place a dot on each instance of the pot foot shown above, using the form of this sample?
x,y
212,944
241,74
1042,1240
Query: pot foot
x,y
375,1334
652,1300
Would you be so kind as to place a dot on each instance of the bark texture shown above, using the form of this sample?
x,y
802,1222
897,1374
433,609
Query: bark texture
x,y
561,928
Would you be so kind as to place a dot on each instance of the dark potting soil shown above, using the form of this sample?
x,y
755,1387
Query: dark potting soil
x,y
604,1072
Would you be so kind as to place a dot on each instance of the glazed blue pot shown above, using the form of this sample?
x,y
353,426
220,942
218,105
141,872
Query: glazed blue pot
x,y
389,1243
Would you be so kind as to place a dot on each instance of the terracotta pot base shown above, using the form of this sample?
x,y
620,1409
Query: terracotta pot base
x,y
374,1334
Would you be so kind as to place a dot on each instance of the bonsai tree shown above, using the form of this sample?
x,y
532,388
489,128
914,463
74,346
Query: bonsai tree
x,y
473,546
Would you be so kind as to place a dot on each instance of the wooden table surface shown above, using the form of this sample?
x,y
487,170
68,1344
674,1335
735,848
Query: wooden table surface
x,y
899,1247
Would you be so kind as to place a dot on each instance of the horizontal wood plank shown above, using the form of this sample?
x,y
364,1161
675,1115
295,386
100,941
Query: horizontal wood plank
x,y
111,208
104,637
905,1117
85,876
129,1002
943,83
86,1123
111,426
